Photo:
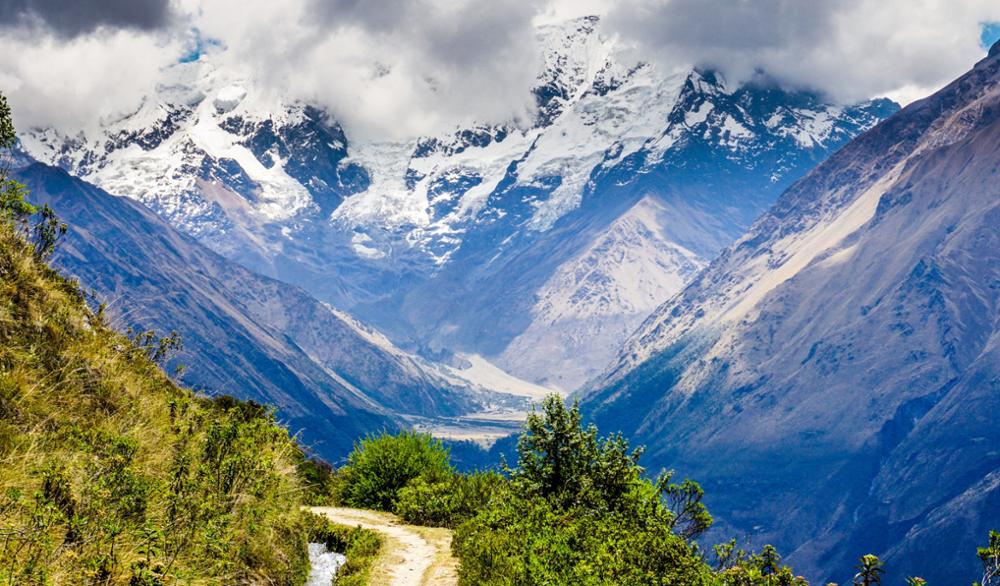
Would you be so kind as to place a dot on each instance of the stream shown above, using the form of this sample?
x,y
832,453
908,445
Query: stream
x,y
323,565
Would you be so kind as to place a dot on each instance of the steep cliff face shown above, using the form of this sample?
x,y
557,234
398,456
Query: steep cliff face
x,y
833,377
592,302
458,243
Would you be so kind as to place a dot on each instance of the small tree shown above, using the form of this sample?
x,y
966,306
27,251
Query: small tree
x,y
990,556
758,569
690,517
728,555
562,461
870,570
7,134
915,581
47,232
13,207
770,561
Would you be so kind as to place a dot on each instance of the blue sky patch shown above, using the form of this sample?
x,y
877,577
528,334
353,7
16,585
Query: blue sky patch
x,y
990,34
198,47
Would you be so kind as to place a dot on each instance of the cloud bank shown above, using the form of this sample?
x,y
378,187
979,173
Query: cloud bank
x,y
78,17
847,49
398,68
386,67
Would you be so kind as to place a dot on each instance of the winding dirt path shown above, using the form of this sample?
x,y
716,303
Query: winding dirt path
x,y
412,556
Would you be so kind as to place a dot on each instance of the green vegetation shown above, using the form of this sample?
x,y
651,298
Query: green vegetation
x,y
109,472
870,571
735,567
579,511
319,481
448,501
410,474
990,557
44,233
381,465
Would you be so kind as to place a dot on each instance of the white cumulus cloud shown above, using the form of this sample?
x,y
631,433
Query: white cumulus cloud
x,y
847,49
76,82
398,68
386,67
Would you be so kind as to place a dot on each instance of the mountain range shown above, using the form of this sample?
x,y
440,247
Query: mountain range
x,y
537,244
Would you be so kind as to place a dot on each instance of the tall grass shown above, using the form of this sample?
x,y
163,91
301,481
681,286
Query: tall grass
x,y
112,474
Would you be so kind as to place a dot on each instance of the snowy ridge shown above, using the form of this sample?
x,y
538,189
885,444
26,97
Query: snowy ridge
x,y
203,152
447,185
475,374
395,231
201,132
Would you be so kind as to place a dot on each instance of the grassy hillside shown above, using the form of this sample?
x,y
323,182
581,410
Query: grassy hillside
x,y
109,472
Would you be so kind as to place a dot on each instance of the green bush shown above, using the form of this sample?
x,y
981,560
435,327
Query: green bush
x,y
318,482
361,547
527,541
990,558
578,510
736,567
450,501
381,465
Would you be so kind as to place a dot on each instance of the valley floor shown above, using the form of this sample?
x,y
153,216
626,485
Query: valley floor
x,y
483,428
411,556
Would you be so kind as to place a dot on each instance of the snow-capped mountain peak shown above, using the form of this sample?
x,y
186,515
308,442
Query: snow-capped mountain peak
x,y
398,231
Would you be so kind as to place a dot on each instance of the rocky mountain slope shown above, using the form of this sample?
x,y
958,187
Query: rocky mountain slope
x,y
485,240
333,378
834,376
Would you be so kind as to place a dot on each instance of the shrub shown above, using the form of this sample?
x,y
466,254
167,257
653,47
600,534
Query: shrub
x,y
448,502
361,547
990,557
736,567
565,463
319,482
529,542
381,465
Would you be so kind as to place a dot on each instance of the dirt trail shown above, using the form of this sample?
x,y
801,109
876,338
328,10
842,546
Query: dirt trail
x,y
412,556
